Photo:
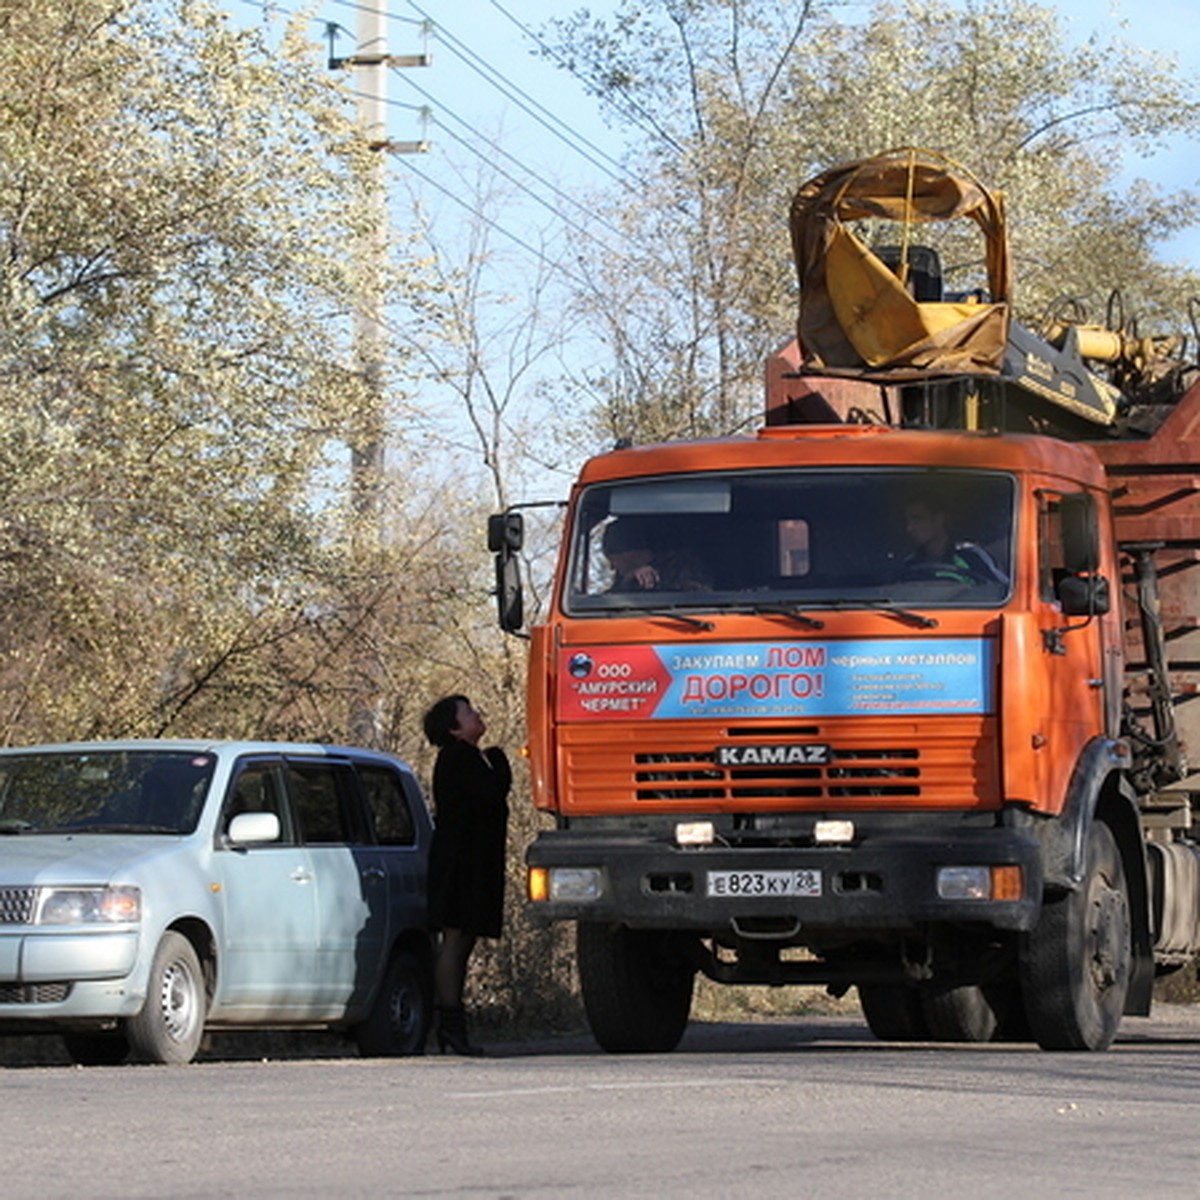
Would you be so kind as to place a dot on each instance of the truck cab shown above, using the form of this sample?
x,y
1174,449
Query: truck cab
x,y
822,737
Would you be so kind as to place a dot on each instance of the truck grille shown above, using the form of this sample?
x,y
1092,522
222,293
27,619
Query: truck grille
x,y
34,993
951,764
849,773
16,905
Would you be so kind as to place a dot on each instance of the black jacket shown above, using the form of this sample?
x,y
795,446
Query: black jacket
x,y
466,860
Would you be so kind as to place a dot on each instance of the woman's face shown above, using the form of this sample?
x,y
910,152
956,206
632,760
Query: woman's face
x,y
469,726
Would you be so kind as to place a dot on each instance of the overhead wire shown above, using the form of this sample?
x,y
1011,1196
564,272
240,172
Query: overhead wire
x,y
599,158
652,126
492,224
497,149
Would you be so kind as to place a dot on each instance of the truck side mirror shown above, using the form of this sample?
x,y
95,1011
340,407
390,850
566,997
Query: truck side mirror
x,y
1080,535
506,532
1083,595
506,536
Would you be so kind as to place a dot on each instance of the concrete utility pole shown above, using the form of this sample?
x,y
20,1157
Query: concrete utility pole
x,y
367,440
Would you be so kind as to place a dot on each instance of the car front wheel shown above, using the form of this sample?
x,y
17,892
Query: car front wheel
x,y
171,1024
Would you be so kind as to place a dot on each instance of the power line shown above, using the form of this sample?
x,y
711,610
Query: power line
x,y
652,126
523,100
511,158
424,111
491,224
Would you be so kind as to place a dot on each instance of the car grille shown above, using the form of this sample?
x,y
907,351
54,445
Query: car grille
x,y
951,764
34,993
16,905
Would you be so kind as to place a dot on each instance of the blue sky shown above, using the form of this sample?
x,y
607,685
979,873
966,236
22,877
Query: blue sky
x,y
486,84
494,104
481,28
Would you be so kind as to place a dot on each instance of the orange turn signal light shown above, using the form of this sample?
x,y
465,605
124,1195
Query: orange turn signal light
x,y
1007,883
538,883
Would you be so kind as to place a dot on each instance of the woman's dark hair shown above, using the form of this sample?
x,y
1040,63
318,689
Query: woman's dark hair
x,y
442,719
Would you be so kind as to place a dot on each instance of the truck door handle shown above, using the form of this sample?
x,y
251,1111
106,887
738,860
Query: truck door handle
x,y
301,875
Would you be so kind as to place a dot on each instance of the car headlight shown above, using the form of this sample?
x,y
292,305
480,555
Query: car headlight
x,y
88,905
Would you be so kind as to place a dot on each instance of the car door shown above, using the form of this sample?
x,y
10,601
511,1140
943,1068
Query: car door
x,y
351,886
266,960
395,803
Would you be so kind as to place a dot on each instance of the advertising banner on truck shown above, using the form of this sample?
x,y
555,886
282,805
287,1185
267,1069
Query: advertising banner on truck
x,y
930,676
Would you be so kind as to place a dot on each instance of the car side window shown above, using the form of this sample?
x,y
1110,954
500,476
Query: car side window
x,y
323,797
257,787
389,805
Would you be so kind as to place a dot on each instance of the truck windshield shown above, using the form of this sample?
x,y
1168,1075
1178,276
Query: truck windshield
x,y
103,791
810,538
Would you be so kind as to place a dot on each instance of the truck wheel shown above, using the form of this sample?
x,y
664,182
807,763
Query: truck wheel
x,y
399,1020
96,1049
893,1012
171,1024
637,987
1076,959
960,1014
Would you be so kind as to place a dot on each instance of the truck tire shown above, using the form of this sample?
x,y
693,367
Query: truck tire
x,y
1076,960
637,987
893,1012
960,1014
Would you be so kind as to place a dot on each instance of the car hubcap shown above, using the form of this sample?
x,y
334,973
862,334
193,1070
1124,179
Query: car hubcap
x,y
178,1001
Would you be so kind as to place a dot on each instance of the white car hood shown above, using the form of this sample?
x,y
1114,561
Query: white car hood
x,y
81,858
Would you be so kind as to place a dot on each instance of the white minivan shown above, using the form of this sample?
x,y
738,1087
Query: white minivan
x,y
150,890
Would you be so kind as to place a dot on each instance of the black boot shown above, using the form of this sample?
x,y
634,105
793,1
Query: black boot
x,y
452,1032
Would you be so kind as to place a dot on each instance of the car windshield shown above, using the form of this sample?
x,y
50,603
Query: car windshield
x,y
798,538
103,791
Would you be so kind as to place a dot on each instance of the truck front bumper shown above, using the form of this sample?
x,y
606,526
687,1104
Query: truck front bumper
x,y
888,883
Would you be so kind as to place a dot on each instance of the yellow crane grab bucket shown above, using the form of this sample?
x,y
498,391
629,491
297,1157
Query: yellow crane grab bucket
x,y
857,311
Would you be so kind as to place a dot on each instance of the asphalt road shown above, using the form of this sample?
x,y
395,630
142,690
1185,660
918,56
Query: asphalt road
x,y
816,1108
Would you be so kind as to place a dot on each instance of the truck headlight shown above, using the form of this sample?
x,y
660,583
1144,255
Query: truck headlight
x,y
88,905
980,883
565,883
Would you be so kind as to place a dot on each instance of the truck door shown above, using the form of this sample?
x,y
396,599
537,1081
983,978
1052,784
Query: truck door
x,y
1073,705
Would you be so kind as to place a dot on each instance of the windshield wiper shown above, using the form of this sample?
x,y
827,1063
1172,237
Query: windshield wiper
x,y
674,614
887,606
782,610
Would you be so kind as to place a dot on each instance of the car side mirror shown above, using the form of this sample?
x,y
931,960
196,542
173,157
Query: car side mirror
x,y
253,828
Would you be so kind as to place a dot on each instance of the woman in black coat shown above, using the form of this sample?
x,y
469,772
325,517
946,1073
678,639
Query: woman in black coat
x,y
466,860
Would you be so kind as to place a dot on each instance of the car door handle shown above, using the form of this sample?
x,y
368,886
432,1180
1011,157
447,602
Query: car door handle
x,y
301,875
374,873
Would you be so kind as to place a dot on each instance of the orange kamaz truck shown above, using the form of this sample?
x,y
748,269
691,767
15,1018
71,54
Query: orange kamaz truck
x,y
896,694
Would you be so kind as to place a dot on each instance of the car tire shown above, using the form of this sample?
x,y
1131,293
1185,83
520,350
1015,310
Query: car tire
x,y
171,1024
399,1020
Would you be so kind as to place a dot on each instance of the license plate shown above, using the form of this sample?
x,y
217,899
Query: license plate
x,y
800,882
